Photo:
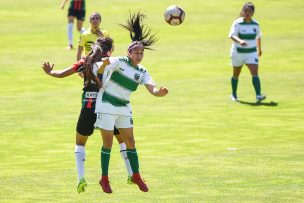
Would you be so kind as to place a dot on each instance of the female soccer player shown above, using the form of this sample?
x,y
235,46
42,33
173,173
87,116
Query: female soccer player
x,y
85,125
76,10
246,34
122,77
89,36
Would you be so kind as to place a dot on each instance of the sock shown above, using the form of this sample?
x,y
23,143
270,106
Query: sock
x,y
256,84
80,159
70,33
82,30
133,158
105,160
234,84
123,152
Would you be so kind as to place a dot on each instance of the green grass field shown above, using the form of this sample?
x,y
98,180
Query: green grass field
x,y
194,145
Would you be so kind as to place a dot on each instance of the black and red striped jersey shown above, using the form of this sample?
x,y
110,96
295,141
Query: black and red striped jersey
x,y
77,5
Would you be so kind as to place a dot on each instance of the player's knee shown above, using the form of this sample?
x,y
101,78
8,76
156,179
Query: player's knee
x,y
107,145
130,143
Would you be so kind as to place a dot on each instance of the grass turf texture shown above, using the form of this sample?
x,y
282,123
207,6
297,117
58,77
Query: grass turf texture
x,y
183,140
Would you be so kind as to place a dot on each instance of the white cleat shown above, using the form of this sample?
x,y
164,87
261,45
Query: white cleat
x,y
260,98
233,98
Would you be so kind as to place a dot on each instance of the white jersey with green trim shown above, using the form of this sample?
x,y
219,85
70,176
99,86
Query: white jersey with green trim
x,y
120,79
245,31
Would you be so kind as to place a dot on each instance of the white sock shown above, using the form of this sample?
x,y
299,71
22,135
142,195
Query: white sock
x,y
80,159
82,30
70,33
123,152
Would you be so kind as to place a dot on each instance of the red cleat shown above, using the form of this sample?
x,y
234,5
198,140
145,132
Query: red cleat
x,y
138,181
105,185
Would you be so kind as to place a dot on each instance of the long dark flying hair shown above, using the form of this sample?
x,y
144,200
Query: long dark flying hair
x,y
99,50
139,33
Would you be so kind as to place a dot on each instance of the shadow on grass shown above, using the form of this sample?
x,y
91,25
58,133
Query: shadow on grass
x,y
260,103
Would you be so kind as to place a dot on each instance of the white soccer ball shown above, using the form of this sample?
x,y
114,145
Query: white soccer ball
x,y
174,15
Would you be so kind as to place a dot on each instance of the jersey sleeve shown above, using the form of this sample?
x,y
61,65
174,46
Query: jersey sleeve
x,y
259,33
78,66
147,79
234,29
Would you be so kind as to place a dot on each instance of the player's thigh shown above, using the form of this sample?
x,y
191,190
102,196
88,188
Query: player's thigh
x,y
252,62
71,15
252,58
125,127
107,138
86,121
80,19
236,71
128,137
118,136
237,59
105,121
124,122
254,69
81,15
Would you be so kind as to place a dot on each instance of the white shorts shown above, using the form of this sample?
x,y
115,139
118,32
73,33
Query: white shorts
x,y
108,121
239,59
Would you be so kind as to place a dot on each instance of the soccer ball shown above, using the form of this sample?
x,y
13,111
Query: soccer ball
x,y
174,15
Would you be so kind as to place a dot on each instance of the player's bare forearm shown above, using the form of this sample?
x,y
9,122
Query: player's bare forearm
x,y
259,46
79,52
48,69
63,4
161,92
238,40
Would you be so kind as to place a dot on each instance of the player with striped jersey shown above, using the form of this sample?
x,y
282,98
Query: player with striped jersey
x,y
246,34
102,47
121,77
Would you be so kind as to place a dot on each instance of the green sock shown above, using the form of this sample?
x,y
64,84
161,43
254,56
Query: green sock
x,y
105,159
234,84
256,84
133,158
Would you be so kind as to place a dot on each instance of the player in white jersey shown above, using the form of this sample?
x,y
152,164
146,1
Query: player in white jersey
x,y
246,34
102,47
121,77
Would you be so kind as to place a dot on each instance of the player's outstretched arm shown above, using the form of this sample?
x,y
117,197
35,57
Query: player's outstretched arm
x,y
48,69
63,4
161,92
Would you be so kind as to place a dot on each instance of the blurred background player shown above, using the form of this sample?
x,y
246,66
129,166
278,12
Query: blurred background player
x,y
76,10
121,77
88,37
85,125
246,34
